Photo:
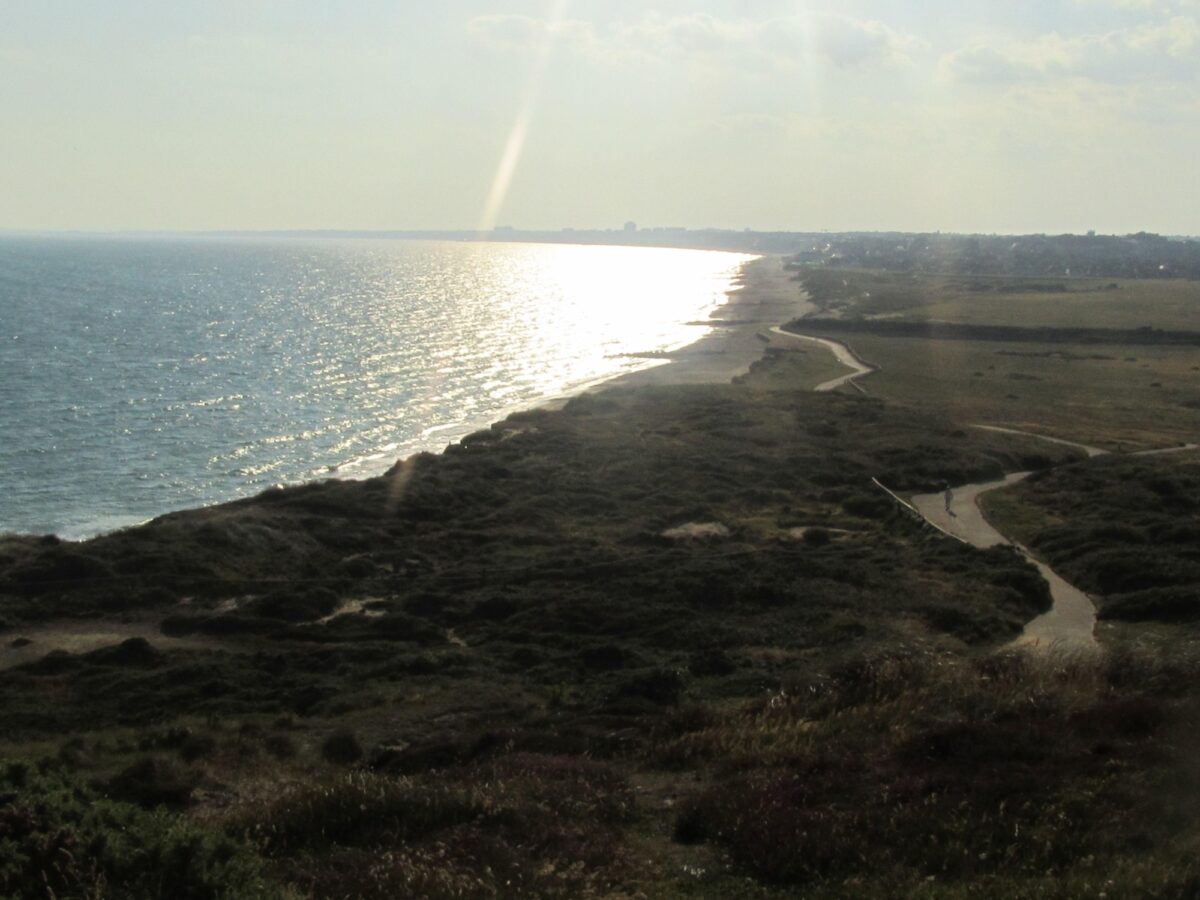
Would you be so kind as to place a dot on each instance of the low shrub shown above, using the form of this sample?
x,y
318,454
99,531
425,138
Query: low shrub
x,y
281,746
1162,604
362,807
342,748
869,506
663,687
61,839
134,652
197,746
154,781
816,537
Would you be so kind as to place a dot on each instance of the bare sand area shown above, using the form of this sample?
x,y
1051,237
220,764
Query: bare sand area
x,y
29,643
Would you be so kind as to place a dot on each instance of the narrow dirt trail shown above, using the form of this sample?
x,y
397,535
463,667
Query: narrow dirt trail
x,y
964,519
1182,448
1090,451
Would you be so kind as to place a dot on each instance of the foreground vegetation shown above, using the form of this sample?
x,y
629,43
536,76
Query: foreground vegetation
x,y
917,774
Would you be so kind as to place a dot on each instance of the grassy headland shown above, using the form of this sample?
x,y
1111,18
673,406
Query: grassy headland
x,y
664,641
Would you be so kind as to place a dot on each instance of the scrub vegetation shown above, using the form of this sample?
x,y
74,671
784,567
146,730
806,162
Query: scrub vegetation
x,y
1127,530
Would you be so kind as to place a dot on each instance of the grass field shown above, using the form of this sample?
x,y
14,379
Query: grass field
x,y
1003,300
1108,395
1112,397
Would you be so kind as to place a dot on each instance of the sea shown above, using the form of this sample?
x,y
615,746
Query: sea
x,y
144,375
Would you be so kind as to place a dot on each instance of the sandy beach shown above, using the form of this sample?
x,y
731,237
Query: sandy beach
x,y
767,296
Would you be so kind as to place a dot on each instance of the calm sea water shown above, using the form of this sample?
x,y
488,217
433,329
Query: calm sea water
x,y
139,376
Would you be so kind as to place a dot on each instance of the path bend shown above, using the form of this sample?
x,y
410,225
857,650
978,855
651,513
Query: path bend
x,y
1071,620
844,354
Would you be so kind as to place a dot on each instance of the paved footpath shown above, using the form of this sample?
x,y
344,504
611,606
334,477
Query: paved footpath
x,y
1071,621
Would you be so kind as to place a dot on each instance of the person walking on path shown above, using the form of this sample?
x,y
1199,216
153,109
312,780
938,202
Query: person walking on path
x,y
949,499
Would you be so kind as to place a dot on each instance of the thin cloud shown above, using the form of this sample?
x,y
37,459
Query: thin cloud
x,y
1123,4
1165,51
773,44
522,33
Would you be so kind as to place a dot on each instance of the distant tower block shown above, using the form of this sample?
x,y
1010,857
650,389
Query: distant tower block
x,y
631,226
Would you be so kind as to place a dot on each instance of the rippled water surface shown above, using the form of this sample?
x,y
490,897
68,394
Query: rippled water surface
x,y
142,376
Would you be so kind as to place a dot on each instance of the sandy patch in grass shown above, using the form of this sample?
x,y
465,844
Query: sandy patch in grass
x,y
697,531
84,636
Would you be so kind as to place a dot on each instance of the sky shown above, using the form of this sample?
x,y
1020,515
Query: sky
x,y
1006,116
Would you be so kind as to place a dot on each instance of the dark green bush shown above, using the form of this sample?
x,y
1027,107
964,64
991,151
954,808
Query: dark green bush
x,y
1162,604
154,781
135,652
296,607
661,686
198,746
816,537
281,746
60,839
711,661
869,506
342,748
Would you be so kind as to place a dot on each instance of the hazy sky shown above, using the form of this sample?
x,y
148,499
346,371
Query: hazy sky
x,y
979,115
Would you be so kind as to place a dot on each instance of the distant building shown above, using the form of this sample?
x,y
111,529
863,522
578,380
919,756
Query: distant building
x,y
631,226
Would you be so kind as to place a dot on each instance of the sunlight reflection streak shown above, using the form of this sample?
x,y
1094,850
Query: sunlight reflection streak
x,y
515,144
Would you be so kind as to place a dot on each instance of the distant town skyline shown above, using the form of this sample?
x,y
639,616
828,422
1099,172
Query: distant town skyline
x,y
971,116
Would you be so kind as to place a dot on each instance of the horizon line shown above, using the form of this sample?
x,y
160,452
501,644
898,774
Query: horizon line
x,y
508,231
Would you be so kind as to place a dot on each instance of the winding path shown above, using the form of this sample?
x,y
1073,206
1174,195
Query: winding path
x,y
844,354
1071,620
1090,451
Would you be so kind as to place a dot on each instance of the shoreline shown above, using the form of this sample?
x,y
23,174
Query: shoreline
x,y
739,333
726,349
765,295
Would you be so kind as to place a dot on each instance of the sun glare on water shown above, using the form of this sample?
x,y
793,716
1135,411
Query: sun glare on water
x,y
600,308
